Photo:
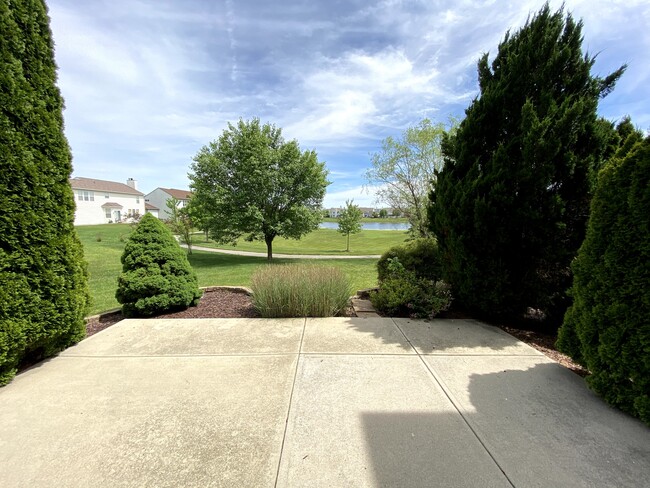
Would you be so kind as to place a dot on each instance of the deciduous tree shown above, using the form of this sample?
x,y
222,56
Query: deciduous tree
x,y
404,169
251,182
350,221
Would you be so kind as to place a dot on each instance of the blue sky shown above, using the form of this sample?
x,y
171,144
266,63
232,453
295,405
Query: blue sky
x,y
147,83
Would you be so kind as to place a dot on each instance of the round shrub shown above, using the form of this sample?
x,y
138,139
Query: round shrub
x,y
607,327
156,275
419,256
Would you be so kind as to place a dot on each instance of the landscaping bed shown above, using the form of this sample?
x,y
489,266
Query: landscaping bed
x,y
233,302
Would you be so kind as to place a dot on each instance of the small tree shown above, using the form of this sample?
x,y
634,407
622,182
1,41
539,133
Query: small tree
x,y
251,182
350,221
404,169
383,213
606,328
180,222
156,275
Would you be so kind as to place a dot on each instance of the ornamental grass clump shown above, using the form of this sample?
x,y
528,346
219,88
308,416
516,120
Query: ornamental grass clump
x,y
300,291
156,275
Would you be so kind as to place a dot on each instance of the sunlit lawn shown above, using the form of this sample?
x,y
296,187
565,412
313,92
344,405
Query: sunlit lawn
x,y
104,265
321,241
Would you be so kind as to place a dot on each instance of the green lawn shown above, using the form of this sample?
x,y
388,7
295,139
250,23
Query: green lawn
x,y
387,220
104,265
321,241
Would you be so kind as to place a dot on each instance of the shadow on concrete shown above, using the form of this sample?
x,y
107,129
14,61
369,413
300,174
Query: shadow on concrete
x,y
540,423
440,335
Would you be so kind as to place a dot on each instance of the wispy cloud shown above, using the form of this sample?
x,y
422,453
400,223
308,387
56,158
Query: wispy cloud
x,y
147,83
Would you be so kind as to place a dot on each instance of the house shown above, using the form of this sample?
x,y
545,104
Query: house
x,y
104,202
160,196
367,211
335,212
153,210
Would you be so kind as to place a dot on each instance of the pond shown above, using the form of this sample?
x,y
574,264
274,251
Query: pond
x,y
371,225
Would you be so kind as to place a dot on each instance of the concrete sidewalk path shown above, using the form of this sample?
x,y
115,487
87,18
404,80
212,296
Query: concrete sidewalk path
x,y
283,256
335,402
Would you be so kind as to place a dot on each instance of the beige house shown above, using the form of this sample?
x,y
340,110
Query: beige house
x,y
103,202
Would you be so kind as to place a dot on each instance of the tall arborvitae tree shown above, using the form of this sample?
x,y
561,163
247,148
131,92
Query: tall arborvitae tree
x,y
510,206
43,279
607,328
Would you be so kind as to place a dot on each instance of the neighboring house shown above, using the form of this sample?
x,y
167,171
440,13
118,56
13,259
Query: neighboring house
x,y
159,197
103,202
367,211
335,212
148,208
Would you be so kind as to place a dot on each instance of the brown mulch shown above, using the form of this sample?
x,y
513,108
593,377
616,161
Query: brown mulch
x,y
215,303
229,303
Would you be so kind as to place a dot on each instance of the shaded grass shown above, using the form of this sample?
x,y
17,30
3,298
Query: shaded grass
x,y
321,241
211,268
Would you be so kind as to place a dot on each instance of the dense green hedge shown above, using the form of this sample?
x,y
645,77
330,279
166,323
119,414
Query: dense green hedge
x,y
509,208
608,327
43,278
419,256
156,275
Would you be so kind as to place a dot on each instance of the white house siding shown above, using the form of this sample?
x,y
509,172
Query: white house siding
x,y
89,207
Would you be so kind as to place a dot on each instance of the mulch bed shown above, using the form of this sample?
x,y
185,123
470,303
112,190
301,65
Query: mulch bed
x,y
232,303
215,303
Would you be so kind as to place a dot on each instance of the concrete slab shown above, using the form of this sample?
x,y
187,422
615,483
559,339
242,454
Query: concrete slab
x,y
354,335
156,337
378,421
455,336
134,422
362,305
542,424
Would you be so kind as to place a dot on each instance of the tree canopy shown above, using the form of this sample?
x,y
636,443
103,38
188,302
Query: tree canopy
x,y
510,206
350,221
404,169
251,182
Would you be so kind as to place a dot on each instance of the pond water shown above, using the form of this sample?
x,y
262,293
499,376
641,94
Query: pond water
x,y
371,225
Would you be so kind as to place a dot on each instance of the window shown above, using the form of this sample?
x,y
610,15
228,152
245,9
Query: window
x,y
107,195
108,213
86,196
137,199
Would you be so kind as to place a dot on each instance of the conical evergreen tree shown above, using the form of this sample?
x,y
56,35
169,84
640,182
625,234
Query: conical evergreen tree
x,y
43,279
509,208
156,275
607,328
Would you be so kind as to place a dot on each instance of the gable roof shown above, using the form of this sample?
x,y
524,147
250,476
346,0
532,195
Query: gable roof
x,y
103,185
148,206
178,194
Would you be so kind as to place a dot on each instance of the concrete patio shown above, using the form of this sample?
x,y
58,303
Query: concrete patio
x,y
335,402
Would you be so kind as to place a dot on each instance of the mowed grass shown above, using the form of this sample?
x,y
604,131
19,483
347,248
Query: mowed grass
x,y
321,241
104,265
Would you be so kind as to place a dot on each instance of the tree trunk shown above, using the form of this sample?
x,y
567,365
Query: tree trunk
x,y
348,247
269,247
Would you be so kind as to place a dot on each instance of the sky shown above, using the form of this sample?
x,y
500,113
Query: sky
x,y
148,83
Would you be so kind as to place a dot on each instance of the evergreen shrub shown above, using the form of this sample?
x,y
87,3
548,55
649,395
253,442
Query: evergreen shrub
x,y
419,256
607,328
156,275
43,278
402,293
